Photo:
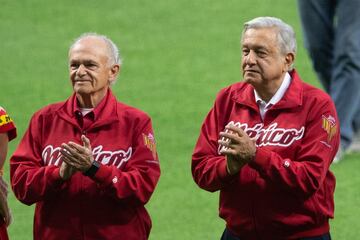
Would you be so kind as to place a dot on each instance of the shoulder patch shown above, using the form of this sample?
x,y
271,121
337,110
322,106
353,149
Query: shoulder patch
x,y
330,126
149,142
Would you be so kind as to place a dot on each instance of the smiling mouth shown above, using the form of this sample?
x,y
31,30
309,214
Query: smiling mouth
x,y
251,71
81,81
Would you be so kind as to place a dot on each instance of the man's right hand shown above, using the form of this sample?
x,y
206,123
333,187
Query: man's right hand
x,y
66,171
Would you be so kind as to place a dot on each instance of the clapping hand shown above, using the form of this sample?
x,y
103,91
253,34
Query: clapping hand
x,y
76,157
238,148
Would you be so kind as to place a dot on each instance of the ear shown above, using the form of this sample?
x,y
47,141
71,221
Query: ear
x,y
114,71
289,60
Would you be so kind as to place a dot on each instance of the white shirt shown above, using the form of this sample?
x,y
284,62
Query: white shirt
x,y
265,106
85,111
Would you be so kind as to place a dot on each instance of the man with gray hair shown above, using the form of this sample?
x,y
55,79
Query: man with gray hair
x,y
89,163
267,144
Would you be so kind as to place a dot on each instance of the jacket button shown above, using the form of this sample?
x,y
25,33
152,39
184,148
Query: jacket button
x,y
286,164
115,179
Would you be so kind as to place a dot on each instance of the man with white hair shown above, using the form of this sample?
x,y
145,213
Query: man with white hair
x,y
89,163
267,144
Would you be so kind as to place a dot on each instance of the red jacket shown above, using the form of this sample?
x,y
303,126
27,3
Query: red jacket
x,y
6,126
287,191
111,204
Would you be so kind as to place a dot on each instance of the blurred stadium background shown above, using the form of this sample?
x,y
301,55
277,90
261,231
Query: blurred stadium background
x,y
177,56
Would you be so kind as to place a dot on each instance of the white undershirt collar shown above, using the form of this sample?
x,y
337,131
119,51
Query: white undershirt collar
x,y
265,106
85,111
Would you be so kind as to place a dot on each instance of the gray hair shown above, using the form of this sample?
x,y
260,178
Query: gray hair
x,y
114,54
286,34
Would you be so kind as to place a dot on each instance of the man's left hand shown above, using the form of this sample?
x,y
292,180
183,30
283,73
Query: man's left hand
x,y
77,156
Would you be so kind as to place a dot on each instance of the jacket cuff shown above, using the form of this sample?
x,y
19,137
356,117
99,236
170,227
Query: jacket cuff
x,y
55,179
262,159
104,175
223,173
10,129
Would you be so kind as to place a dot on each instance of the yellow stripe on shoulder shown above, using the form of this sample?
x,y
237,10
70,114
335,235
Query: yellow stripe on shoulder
x,y
5,119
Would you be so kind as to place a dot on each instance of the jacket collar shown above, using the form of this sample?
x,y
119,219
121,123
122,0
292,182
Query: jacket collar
x,y
293,97
104,113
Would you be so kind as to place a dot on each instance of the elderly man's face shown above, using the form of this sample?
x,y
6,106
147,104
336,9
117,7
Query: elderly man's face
x,y
262,60
90,72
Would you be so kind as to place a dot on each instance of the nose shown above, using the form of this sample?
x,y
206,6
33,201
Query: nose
x,y
250,58
81,71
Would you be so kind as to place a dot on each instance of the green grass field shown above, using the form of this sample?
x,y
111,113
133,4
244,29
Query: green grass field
x,y
177,56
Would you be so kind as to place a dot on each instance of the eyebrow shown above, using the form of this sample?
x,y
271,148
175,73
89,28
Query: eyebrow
x,y
84,61
253,46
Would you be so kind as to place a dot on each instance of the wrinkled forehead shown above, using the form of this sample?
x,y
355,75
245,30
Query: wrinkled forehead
x,y
260,36
89,46
267,32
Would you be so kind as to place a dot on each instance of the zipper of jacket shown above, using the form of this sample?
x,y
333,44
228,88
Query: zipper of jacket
x,y
253,203
81,131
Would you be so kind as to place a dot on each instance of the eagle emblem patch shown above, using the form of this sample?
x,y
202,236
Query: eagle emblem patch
x,y
330,126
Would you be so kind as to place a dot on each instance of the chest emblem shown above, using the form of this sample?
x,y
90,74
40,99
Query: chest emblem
x,y
52,156
271,135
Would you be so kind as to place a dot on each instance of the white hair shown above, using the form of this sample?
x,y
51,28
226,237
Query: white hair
x,y
286,34
114,54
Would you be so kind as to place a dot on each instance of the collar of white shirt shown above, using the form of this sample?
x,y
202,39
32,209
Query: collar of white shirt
x,y
279,93
264,106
